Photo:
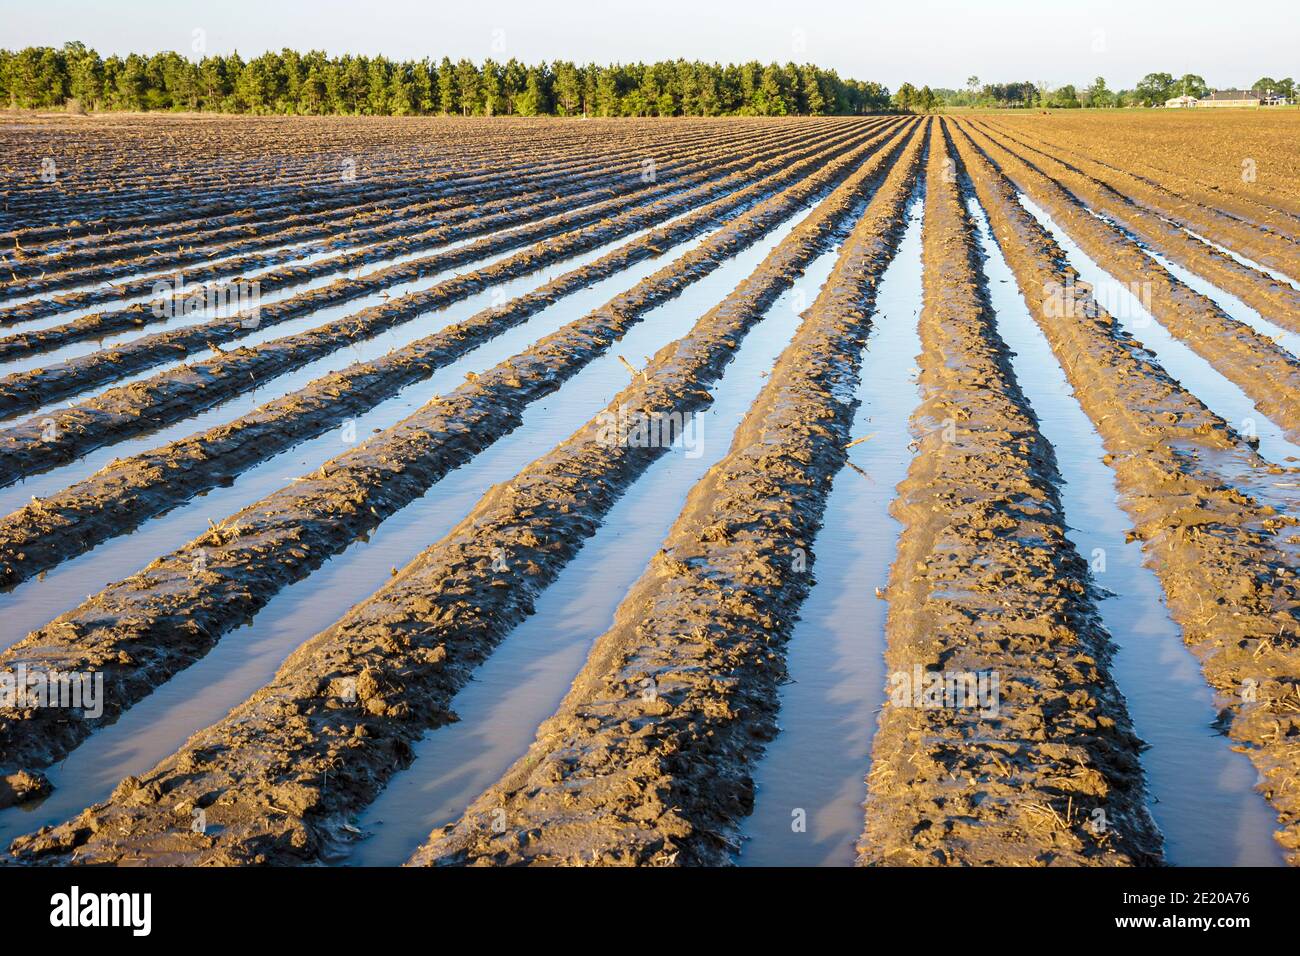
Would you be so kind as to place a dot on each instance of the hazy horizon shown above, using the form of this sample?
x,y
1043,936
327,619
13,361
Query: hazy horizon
x,y
935,42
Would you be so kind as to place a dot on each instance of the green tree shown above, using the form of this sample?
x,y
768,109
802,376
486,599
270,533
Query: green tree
x,y
568,89
1154,88
467,83
1097,95
905,98
532,101
1064,97
607,99
131,83
1264,86
1192,85
446,87
770,99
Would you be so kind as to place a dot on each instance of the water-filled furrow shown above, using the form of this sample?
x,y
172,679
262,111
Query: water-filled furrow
x,y
1251,263
1203,796
38,600
810,783
334,313
1196,374
246,658
1224,299
524,680
512,341
308,320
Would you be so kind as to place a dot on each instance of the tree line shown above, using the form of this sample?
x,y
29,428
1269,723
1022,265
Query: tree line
x,y
314,83
1152,90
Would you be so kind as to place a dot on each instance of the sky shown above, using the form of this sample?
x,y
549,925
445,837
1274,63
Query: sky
x,y
935,42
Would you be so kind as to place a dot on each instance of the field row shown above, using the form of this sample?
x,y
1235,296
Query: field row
x,y
485,529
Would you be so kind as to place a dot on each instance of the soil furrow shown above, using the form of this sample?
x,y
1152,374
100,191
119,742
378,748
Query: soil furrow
x,y
1276,301
410,647
322,220
140,631
438,151
1004,740
1207,163
1227,561
493,221
412,232
178,393
1254,363
346,199
647,760
1271,244
117,498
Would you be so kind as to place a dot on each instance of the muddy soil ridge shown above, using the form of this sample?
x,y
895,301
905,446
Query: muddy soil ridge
x,y
1255,363
1276,301
480,220
25,391
1226,559
174,394
364,188
1232,172
348,212
360,207
647,760
1020,752
142,630
278,778
258,168
1003,739
129,490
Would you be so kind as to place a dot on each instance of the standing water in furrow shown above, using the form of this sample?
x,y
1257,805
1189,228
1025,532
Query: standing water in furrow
x,y
1271,273
37,601
1202,793
524,680
309,320
248,657
308,257
317,317
809,784
46,483
1196,374
171,317
1224,299
170,313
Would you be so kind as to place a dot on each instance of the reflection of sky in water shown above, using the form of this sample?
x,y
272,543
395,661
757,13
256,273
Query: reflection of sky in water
x,y
246,658
523,682
818,762
1202,792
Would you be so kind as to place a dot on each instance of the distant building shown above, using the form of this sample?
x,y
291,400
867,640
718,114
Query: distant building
x,y
1181,102
1230,98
